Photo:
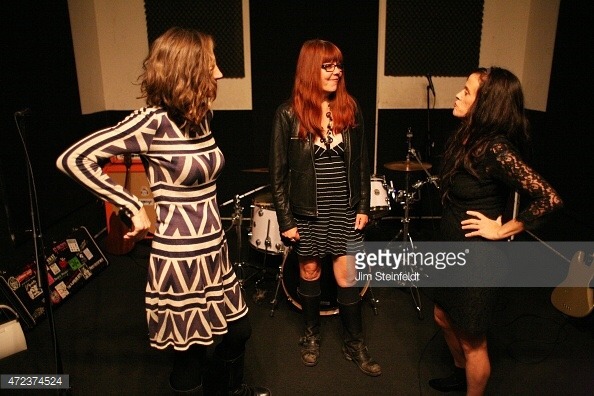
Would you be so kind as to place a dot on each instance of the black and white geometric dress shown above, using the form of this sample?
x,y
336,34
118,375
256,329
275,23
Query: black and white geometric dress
x,y
191,290
334,227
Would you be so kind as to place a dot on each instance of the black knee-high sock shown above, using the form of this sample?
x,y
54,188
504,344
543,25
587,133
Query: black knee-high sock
x,y
310,292
347,295
233,343
349,305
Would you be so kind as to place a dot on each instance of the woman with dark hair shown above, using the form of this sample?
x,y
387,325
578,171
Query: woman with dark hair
x,y
482,166
192,294
320,187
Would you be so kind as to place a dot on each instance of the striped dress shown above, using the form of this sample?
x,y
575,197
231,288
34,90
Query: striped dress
x,y
191,290
334,227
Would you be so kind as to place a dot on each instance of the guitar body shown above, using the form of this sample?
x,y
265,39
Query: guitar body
x,y
573,300
115,242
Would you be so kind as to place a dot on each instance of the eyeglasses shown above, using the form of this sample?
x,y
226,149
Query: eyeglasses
x,y
330,67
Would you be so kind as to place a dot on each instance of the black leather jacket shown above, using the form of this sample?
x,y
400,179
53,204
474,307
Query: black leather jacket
x,y
292,172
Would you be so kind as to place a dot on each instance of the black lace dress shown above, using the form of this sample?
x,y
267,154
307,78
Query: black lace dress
x,y
500,172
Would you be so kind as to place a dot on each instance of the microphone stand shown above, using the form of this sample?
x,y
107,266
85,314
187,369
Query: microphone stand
x,y
428,124
430,89
236,222
39,249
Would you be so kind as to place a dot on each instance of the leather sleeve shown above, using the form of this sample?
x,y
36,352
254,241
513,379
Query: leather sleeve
x,y
279,166
365,176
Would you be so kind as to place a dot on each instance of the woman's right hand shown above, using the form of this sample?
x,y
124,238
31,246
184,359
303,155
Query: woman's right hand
x,y
140,226
291,234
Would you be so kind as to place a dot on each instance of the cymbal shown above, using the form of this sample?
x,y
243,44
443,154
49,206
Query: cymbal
x,y
407,166
256,170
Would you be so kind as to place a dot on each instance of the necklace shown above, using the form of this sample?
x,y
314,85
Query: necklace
x,y
329,132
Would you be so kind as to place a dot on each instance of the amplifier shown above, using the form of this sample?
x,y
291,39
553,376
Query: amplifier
x,y
139,186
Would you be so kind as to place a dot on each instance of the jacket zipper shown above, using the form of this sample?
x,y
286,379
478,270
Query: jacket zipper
x,y
311,150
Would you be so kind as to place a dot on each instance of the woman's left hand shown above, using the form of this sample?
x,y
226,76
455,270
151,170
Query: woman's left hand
x,y
361,221
482,226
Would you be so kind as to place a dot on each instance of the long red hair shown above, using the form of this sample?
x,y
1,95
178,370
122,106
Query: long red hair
x,y
308,94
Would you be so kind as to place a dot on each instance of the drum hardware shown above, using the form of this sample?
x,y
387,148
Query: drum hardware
x,y
255,170
421,183
408,197
265,234
279,280
236,220
407,166
430,178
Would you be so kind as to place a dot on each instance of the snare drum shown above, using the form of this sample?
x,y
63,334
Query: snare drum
x,y
379,200
290,282
265,233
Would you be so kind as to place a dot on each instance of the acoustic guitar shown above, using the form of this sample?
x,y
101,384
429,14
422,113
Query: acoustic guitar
x,y
115,242
574,301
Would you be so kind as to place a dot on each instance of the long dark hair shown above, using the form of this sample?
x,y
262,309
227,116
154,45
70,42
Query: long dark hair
x,y
498,110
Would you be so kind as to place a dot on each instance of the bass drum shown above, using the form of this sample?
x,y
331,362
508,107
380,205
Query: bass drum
x,y
290,282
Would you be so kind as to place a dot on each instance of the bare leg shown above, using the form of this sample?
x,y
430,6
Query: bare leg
x,y
343,273
478,366
469,352
442,320
309,268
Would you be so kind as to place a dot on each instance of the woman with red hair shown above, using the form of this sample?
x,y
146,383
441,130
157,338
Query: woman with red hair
x,y
320,187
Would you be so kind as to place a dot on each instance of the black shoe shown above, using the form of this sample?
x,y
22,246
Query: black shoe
x,y
310,349
197,391
456,382
232,383
358,353
247,390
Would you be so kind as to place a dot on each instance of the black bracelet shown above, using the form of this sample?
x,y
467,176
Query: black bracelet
x,y
125,215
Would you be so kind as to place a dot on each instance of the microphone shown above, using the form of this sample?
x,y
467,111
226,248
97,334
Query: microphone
x,y
430,86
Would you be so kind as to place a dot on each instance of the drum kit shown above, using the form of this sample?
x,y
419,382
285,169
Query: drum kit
x,y
406,198
265,237
381,192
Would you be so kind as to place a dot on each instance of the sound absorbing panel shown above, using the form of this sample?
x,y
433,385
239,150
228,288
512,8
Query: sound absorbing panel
x,y
221,19
436,37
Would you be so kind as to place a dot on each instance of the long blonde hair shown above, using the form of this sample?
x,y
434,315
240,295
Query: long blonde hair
x,y
178,74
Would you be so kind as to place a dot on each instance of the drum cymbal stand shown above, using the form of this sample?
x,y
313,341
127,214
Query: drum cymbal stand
x,y
407,199
236,220
279,279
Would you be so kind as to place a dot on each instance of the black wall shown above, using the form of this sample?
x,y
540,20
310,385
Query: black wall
x,y
38,72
